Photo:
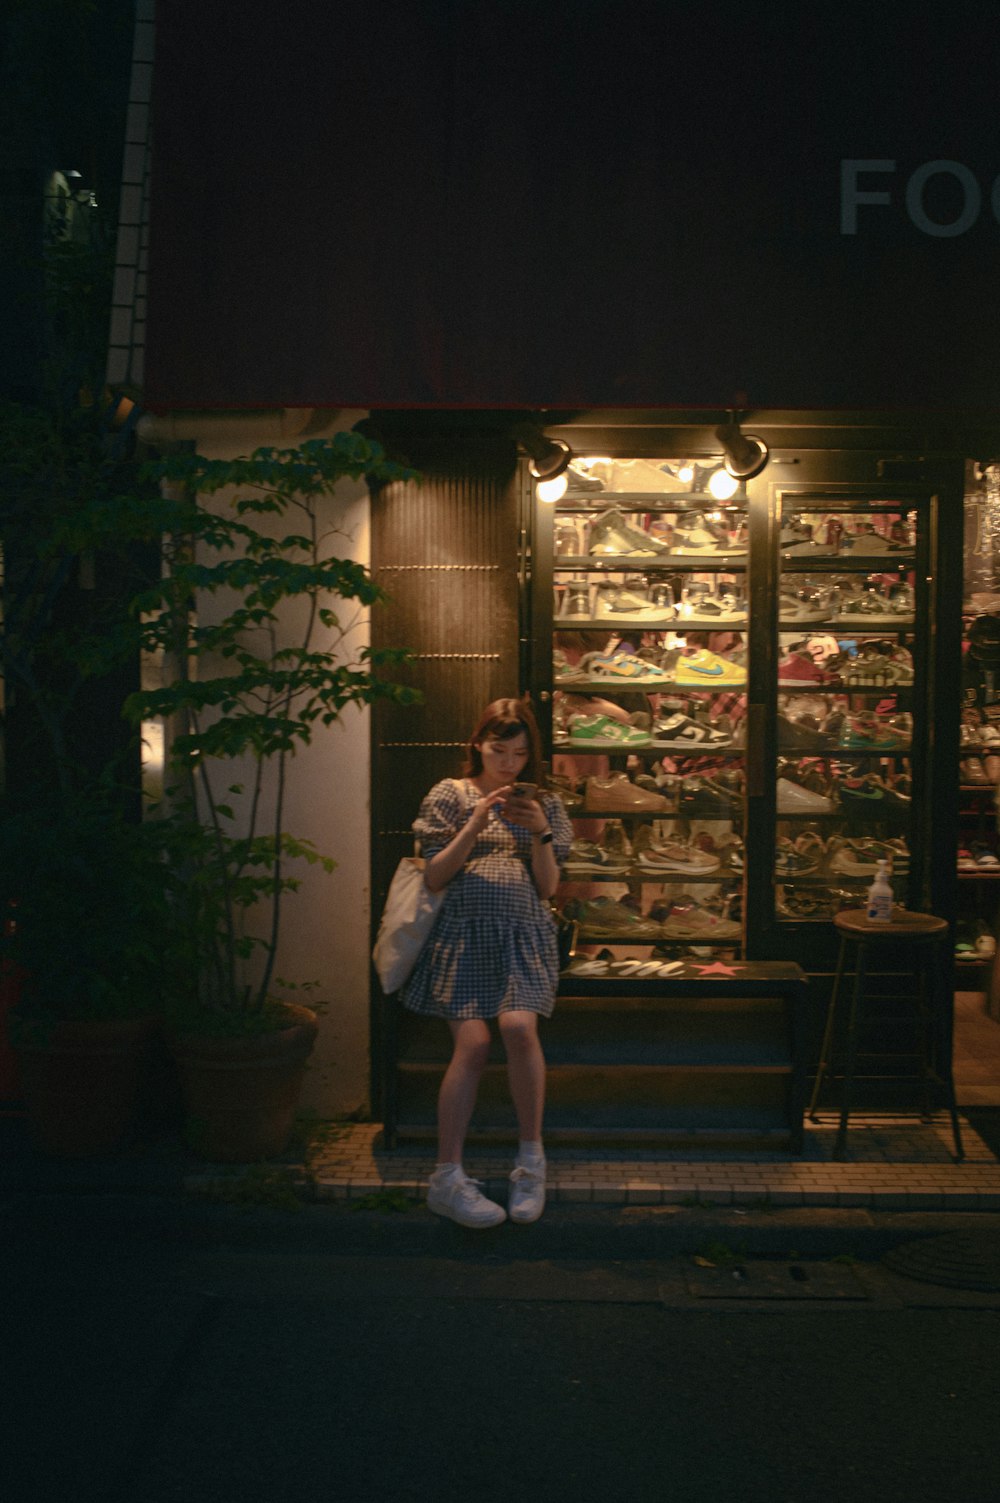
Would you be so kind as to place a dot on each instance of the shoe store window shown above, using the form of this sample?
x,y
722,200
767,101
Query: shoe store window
x,y
649,679
693,646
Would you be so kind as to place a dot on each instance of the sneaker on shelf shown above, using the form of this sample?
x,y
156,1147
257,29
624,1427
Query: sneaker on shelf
x,y
866,608
702,798
615,794
972,771
686,919
798,671
902,601
526,1201
622,668
613,602
984,942
676,856
865,539
573,601
789,861
452,1193
565,672
603,731
867,733
702,668
607,918
679,729
692,534
854,858
717,609
797,537
793,735
795,610
794,799
587,858
611,535
892,669
864,796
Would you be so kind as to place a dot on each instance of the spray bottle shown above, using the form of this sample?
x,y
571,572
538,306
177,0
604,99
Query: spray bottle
x,y
878,909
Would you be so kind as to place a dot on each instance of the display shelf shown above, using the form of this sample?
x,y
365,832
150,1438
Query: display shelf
x,y
903,692
638,623
651,877
732,562
604,687
831,752
847,563
646,501
838,627
672,748
591,937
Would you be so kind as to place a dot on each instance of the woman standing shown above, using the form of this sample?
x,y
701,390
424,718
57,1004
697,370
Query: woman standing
x,y
494,842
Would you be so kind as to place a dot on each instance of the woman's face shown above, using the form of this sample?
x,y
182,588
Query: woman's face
x,y
502,760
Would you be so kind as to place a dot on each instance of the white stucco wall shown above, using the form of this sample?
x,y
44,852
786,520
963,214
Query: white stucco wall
x,y
325,926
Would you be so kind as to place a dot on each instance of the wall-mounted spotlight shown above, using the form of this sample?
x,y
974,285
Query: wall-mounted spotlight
x,y
550,459
745,455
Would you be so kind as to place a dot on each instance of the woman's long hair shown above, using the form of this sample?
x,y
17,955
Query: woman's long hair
x,y
502,721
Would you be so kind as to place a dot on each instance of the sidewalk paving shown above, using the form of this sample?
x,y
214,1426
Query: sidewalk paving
x,y
896,1163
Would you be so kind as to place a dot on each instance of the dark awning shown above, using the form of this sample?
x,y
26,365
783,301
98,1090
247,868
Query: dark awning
x,y
489,202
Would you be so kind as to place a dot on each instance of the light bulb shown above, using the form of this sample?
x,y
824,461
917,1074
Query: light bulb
x,y
685,473
722,485
551,490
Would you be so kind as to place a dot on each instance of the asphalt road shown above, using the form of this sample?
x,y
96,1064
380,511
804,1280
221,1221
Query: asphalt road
x,y
147,1358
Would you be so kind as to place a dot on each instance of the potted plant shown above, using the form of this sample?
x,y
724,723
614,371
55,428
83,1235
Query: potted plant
x,y
252,622
85,936
82,882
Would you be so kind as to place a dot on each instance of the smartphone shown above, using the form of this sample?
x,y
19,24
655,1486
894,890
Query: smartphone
x,y
524,790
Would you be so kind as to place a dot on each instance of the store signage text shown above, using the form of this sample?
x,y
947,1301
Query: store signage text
x,y
854,196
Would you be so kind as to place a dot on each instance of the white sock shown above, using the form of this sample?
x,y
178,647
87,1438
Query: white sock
x,y
530,1151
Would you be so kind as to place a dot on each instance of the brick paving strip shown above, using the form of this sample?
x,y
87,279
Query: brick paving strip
x,y
895,1164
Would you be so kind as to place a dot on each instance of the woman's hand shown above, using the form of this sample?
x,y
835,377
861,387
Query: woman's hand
x,y
480,816
526,813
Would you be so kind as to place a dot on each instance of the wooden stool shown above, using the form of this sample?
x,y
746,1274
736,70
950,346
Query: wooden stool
x,y
925,933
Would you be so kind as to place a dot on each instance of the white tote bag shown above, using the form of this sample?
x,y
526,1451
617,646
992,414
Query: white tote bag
x,y
407,920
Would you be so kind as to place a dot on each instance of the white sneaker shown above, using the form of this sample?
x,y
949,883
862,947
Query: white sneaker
x,y
794,799
526,1201
452,1193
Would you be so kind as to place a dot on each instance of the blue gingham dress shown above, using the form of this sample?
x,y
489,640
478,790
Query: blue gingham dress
x,y
493,946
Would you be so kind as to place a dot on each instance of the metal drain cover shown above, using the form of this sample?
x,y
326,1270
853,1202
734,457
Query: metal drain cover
x,y
759,1279
960,1260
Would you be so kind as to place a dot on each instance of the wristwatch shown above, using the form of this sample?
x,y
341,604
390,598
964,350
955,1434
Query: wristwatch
x,y
545,839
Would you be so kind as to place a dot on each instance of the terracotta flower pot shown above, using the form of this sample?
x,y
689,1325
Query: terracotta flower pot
x,y
81,1083
240,1094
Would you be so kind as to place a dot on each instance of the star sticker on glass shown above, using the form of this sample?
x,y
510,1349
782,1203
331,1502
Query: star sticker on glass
x,y
717,968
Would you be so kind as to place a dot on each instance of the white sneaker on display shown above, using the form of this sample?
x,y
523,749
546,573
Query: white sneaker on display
x,y
450,1192
526,1201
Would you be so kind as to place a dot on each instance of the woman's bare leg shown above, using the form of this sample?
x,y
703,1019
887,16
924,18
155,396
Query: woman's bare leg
x,y
525,1071
460,1086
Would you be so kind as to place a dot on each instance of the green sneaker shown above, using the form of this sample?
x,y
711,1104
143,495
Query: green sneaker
x,y
601,730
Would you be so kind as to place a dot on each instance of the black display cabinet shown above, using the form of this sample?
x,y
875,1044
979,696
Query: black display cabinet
x,y
748,700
